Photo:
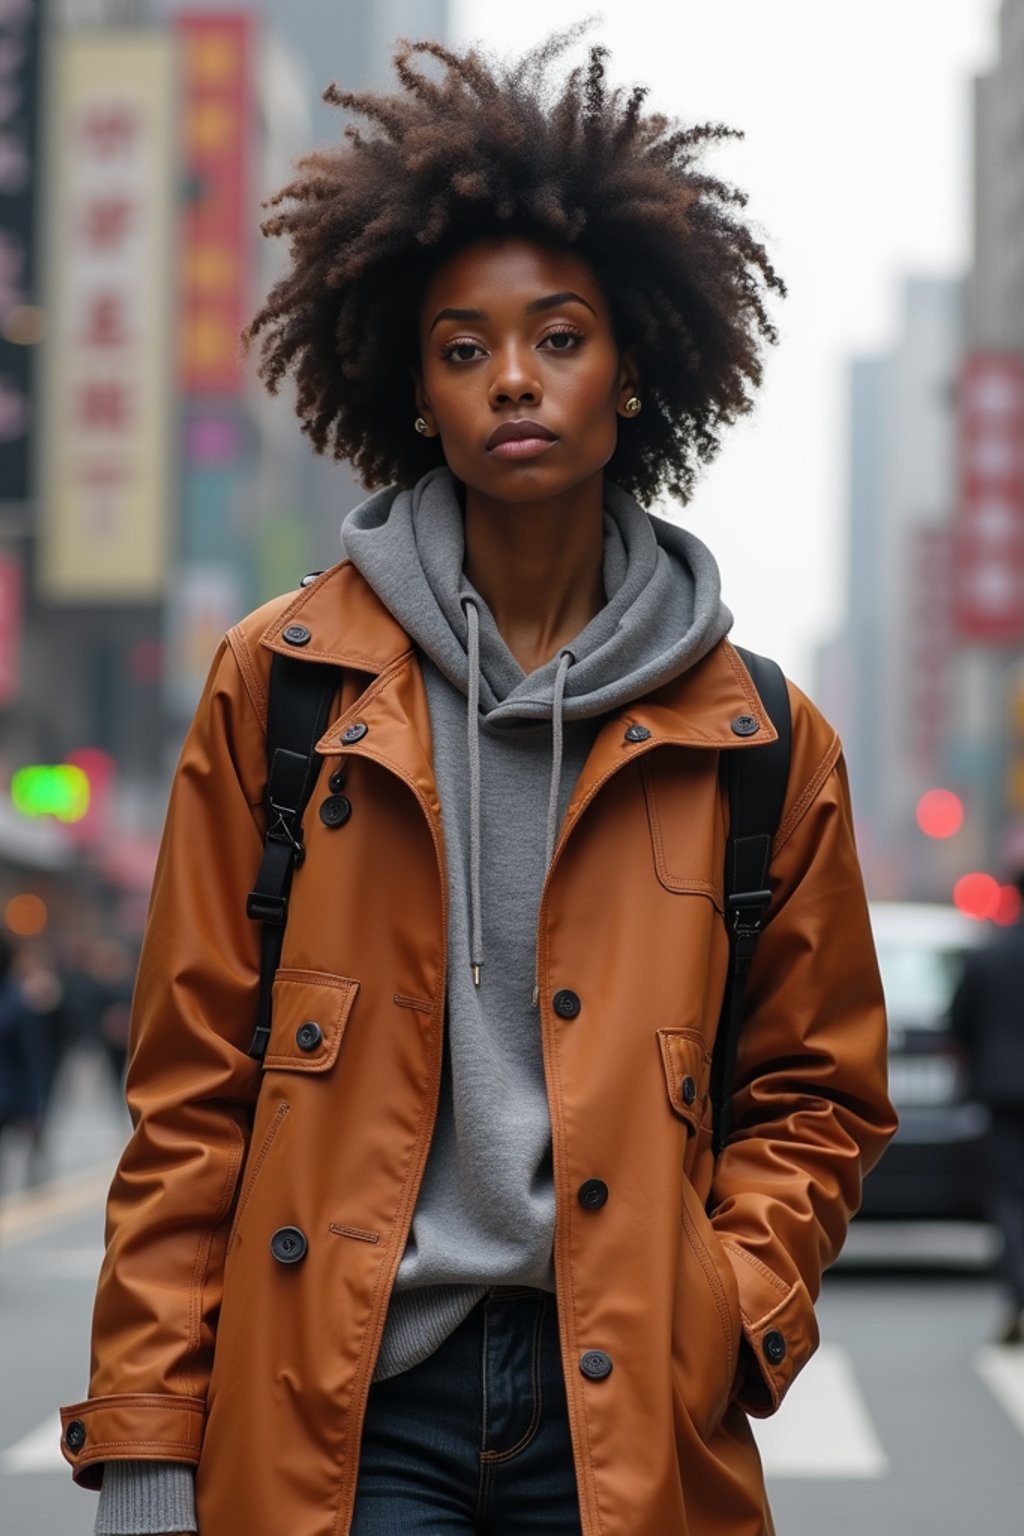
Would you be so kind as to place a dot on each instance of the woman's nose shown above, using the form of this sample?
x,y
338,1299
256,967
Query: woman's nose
x,y
513,380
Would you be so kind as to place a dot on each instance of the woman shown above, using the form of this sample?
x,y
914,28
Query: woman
x,y
440,1261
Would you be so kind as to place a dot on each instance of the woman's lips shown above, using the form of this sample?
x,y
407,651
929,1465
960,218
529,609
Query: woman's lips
x,y
522,447
520,440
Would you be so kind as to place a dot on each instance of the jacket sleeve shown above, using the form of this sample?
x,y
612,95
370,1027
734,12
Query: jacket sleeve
x,y
190,1088
811,1112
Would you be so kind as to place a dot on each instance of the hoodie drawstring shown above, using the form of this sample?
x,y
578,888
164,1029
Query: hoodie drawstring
x,y
476,945
565,661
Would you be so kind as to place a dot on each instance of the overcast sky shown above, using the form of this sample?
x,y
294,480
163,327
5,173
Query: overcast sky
x,y
857,161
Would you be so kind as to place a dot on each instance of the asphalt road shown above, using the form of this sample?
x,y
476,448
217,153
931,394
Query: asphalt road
x,y
906,1423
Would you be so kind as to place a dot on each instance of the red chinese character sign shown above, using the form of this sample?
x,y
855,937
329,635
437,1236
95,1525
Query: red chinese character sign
x,y
218,223
20,27
988,573
109,409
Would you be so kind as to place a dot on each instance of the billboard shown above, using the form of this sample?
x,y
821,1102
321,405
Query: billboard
x,y
20,27
10,626
218,224
988,571
108,419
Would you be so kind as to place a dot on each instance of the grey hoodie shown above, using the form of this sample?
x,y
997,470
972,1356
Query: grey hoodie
x,y
508,749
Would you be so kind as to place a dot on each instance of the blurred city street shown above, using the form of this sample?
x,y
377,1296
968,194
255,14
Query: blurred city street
x,y
867,520
906,1422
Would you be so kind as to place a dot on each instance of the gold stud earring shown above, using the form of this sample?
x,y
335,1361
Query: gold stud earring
x,y
632,406
421,427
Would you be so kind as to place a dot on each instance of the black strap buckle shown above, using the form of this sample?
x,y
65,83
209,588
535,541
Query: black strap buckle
x,y
281,831
267,909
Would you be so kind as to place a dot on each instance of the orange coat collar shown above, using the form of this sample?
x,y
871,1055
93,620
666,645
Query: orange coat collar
x,y
348,626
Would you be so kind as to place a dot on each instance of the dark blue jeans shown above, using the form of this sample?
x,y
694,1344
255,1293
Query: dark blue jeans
x,y
474,1441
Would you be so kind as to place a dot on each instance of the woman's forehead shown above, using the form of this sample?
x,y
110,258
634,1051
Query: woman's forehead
x,y
517,268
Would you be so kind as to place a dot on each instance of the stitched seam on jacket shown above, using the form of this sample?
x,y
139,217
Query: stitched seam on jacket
x,y
254,1172
253,687
200,1268
672,882
801,805
715,1285
762,1269
743,677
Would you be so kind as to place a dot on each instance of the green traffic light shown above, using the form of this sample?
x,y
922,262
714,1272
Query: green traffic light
x,y
50,789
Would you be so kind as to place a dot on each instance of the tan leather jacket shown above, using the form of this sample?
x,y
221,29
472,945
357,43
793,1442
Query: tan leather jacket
x,y
704,1320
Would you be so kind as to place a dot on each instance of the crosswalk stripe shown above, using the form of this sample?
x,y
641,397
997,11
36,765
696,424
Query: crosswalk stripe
x,y
1001,1368
823,1429
38,1451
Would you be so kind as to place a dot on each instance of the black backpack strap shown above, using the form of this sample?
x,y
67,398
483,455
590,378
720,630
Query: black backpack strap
x,y
757,781
298,710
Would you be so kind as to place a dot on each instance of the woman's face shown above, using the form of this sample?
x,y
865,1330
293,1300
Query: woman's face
x,y
521,373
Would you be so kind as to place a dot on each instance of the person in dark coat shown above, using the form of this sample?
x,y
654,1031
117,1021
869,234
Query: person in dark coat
x,y
22,1055
988,1017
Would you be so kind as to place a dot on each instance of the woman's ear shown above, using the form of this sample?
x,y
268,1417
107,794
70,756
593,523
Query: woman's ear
x,y
628,404
425,424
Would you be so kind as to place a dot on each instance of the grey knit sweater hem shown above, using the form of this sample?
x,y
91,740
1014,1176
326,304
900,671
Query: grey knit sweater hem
x,y
146,1498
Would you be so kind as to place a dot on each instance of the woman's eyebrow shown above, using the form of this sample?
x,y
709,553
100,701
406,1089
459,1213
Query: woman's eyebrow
x,y
550,301
457,314
553,301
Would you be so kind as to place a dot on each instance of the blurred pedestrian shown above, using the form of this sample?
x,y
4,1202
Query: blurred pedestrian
x,y
988,1018
111,966
23,1059
463,1182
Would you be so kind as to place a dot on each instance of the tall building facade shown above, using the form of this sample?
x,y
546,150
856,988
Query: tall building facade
x,y
887,678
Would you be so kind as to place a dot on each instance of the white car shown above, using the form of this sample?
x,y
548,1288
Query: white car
x,y
932,1167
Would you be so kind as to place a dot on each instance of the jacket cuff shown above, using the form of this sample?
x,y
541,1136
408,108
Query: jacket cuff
x,y
780,1333
130,1426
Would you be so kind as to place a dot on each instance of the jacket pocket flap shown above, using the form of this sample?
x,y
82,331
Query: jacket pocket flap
x,y
687,1063
309,1012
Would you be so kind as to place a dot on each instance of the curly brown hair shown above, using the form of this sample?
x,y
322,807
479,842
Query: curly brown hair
x,y
470,148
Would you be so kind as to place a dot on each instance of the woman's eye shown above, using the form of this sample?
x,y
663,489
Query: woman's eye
x,y
562,341
461,351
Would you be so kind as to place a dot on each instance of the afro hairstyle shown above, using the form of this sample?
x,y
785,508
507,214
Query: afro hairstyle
x,y
469,148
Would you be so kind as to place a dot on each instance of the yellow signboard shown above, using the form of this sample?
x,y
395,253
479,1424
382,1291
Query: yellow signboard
x,y
106,443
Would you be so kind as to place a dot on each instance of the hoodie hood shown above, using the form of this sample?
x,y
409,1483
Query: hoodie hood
x,y
663,608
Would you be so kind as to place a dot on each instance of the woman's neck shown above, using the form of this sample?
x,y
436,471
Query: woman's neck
x,y
538,567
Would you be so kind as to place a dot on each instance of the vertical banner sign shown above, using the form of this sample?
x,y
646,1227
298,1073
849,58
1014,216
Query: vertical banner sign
x,y
20,27
988,588
930,644
10,626
108,402
216,64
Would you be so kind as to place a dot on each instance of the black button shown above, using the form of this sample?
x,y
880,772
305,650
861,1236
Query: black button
x,y
74,1435
745,725
566,1004
774,1346
288,1245
308,1036
336,782
596,1364
637,733
308,580
592,1194
689,1090
335,811
297,634
354,732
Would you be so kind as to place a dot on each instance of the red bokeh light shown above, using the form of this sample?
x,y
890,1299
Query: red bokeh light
x,y
940,813
1008,907
977,895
